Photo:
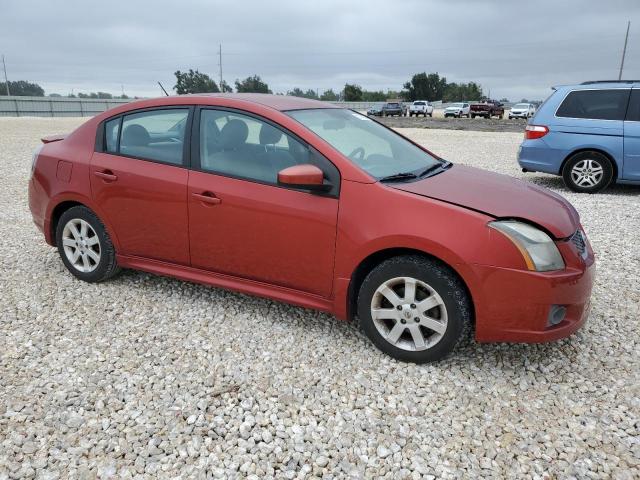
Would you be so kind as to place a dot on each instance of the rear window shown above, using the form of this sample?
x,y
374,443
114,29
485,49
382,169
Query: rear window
x,y
419,103
595,104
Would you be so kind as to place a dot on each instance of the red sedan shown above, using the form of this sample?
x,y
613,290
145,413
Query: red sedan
x,y
303,202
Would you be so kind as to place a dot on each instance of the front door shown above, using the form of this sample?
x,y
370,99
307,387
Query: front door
x,y
631,168
242,223
140,181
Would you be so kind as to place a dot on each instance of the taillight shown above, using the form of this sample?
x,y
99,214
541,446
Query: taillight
x,y
531,132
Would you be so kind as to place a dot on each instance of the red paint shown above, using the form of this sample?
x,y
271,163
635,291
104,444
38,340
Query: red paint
x,y
303,248
301,175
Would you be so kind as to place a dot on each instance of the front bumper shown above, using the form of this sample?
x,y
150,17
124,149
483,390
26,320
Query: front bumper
x,y
515,305
518,115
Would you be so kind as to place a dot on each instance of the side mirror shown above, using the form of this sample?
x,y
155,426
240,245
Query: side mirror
x,y
306,176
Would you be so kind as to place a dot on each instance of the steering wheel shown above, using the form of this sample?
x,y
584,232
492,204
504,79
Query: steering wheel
x,y
357,154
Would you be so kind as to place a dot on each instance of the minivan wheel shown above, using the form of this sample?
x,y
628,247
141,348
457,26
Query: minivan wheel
x,y
84,245
414,309
587,172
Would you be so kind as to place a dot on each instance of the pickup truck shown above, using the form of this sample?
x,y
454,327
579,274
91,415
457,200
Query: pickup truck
x,y
487,109
392,108
420,107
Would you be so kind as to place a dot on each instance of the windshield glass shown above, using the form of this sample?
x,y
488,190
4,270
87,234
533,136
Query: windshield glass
x,y
456,105
521,105
376,149
418,103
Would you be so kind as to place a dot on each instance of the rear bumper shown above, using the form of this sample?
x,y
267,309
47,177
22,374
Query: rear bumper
x,y
515,305
537,156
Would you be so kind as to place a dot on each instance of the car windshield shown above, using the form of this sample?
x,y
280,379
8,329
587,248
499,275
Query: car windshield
x,y
457,105
418,103
521,105
376,149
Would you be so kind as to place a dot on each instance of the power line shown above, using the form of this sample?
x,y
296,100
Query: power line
x,y
624,50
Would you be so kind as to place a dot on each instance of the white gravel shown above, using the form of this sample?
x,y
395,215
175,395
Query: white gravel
x,y
145,376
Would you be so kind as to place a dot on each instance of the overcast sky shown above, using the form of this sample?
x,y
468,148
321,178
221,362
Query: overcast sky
x,y
514,49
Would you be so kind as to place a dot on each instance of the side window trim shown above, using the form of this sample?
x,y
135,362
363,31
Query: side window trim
x,y
195,163
101,144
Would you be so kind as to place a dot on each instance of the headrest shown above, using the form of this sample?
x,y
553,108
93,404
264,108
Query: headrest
x,y
233,134
269,135
135,136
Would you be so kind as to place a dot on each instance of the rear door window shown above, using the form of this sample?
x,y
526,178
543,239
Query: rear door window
x,y
595,104
633,112
155,135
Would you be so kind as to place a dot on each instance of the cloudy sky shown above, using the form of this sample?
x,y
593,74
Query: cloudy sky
x,y
514,49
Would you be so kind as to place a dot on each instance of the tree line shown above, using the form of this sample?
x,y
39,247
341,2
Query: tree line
x,y
422,86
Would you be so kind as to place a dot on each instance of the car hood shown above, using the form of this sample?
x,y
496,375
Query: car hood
x,y
499,196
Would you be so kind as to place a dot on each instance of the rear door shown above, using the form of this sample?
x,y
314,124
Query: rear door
x,y
139,179
631,167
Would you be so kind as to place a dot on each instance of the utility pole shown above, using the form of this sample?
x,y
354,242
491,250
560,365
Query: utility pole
x,y
6,81
624,50
220,64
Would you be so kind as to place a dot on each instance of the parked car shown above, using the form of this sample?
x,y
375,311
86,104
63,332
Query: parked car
x,y
457,110
522,110
421,107
589,134
393,108
487,109
375,110
300,201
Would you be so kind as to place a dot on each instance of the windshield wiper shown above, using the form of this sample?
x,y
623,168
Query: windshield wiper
x,y
399,177
444,165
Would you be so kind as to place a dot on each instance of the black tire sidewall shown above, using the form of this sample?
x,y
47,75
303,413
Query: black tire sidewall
x,y
442,280
107,252
607,177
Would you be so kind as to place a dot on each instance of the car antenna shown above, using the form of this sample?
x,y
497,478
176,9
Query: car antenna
x,y
165,92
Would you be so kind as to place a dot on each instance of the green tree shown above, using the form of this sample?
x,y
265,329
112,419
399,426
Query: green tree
x,y
194,82
329,96
252,85
462,91
352,93
423,86
296,92
22,88
225,87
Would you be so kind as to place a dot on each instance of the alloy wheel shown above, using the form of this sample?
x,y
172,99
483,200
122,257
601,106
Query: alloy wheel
x,y
409,313
81,245
587,173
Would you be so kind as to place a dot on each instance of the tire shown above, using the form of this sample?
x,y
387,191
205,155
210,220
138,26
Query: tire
x,y
431,115
473,116
99,266
587,172
436,284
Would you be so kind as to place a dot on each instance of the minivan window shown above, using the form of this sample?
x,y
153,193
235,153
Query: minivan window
x,y
595,104
155,135
633,112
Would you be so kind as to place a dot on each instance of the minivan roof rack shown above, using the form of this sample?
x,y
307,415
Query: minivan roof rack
x,y
590,82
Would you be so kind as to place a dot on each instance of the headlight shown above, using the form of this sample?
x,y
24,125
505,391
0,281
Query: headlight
x,y
537,248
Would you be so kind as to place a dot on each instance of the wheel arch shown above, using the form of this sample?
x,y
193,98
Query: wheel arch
x,y
374,259
601,151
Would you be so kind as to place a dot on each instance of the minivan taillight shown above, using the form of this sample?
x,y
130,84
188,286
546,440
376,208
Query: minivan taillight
x,y
531,132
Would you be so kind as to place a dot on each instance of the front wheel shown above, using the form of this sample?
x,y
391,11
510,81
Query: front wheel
x,y
84,245
587,172
414,309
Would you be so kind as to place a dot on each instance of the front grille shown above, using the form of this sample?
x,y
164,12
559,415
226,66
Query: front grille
x,y
579,241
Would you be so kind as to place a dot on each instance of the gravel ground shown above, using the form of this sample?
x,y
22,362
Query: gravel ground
x,y
470,124
145,376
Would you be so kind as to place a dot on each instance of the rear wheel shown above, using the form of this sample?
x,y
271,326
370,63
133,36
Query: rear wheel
x,y
587,172
414,309
84,245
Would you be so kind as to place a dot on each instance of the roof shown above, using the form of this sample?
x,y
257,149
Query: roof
x,y
277,102
598,84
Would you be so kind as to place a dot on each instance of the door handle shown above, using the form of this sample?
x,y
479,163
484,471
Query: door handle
x,y
207,197
106,175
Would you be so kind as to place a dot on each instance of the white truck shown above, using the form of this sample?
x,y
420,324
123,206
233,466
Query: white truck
x,y
421,107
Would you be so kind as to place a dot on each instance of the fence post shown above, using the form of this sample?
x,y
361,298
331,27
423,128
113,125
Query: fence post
x,y
17,108
51,106
81,109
